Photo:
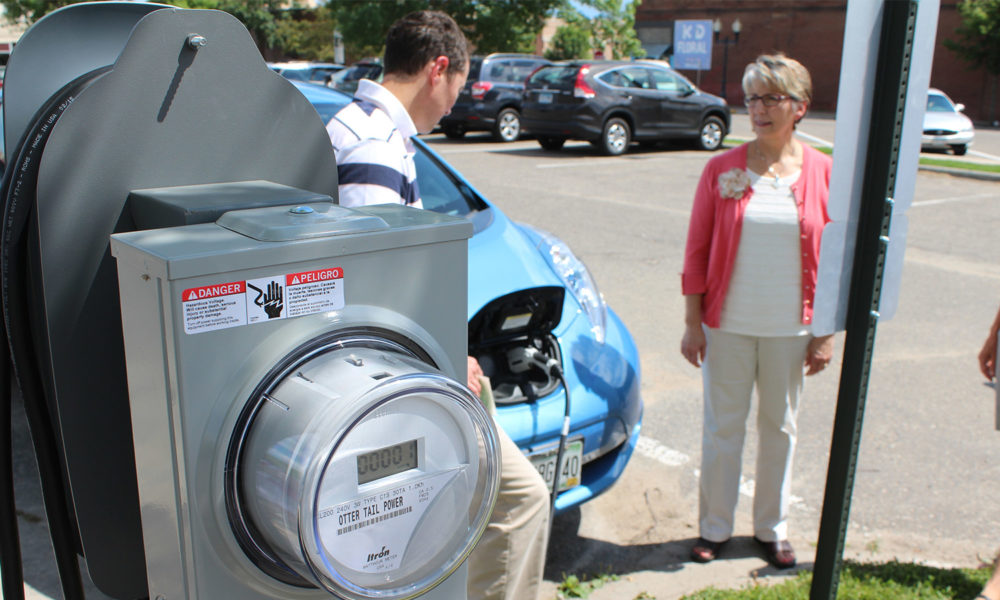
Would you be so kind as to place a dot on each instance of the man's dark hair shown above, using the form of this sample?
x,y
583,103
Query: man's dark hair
x,y
422,36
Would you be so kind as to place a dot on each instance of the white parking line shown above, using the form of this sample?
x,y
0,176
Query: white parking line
x,y
984,155
952,199
814,139
650,448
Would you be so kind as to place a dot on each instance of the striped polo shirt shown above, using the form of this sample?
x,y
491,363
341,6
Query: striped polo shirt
x,y
371,139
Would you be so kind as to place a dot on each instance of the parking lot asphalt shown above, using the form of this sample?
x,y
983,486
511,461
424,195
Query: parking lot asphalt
x,y
743,564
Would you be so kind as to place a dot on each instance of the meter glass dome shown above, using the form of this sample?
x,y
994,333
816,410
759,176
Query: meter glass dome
x,y
366,472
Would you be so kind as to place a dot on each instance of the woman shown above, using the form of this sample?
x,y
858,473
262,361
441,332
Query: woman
x,y
749,280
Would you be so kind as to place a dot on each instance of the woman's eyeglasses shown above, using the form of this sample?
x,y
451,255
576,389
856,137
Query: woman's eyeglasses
x,y
768,100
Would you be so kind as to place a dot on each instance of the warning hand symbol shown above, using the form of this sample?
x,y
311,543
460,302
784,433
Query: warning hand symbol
x,y
271,301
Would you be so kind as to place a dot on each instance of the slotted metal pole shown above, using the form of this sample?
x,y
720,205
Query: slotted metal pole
x,y
888,103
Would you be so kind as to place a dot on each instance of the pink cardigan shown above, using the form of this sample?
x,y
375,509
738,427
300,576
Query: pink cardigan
x,y
716,223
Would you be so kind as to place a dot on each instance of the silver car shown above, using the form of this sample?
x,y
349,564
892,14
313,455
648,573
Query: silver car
x,y
945,126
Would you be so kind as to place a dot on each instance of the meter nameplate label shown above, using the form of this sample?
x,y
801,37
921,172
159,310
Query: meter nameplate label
x,y
370,534
238,303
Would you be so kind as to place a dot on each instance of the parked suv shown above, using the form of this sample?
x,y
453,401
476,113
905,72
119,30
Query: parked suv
x,y
612,103
491,98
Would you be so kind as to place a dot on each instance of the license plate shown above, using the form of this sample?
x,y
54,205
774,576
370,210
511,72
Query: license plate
x,y
572,462
545,97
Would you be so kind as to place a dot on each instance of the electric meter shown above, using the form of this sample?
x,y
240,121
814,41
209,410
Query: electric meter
x,y
358,469
293,380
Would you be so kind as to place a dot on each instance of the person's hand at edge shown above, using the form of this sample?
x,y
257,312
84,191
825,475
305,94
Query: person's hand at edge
x,y
988,357
693,344
474,372
819,353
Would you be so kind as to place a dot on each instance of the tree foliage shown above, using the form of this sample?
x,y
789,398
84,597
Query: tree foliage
x,y
610,30
570,41
495,26
977,39
306,34
614,27
257,15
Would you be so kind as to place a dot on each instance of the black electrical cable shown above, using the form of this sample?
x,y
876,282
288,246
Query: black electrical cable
x,y
19,197
10,548
554,369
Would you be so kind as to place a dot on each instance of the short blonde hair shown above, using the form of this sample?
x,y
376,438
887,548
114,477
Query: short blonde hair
x,y
780,73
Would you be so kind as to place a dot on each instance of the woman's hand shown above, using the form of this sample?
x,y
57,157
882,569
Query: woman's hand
x,y
819,353
693,344
988,357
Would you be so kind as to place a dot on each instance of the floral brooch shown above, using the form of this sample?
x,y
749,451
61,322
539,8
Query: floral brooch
x,y
733,183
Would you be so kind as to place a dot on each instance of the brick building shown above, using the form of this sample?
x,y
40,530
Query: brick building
x,y
812,32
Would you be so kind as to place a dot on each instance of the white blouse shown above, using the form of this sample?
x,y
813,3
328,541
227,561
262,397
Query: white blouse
x,y
764,295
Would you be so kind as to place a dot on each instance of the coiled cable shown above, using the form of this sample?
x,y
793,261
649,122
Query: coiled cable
x,y
22,354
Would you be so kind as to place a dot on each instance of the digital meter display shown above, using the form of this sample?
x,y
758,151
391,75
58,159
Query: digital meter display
x,y
387,461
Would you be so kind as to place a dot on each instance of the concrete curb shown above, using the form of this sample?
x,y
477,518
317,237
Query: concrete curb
x,y
981,175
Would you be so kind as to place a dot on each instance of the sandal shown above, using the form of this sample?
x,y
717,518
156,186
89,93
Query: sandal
x,y
780,553
705,551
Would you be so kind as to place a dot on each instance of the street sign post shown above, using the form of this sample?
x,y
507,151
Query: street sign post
x,y
882,101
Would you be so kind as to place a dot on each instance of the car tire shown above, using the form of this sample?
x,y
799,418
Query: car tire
x,y
508,125
711,134
959,149
550,142
454,132
615,137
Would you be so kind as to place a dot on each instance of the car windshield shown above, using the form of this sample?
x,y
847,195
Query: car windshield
x,y
555,76
510,71
938,103
441,191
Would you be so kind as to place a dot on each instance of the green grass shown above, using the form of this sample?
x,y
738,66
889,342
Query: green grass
x,y
928,162
575,587
870,581
957,164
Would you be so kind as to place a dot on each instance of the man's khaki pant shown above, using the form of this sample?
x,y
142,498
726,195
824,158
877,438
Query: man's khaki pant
x,y
508,562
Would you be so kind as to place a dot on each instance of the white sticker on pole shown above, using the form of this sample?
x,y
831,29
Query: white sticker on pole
x,y
236,303
371,533
212,307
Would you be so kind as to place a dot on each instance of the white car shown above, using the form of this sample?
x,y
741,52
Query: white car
x,y
945,126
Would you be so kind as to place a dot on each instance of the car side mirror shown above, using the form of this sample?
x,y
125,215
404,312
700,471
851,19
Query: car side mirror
x,y
685,92
959,107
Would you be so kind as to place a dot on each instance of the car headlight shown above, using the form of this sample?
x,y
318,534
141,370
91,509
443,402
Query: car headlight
x,y
575,277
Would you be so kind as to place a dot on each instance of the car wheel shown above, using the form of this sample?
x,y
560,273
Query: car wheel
x,y
959,149
455,132
550,142
711,133
508,126
616,137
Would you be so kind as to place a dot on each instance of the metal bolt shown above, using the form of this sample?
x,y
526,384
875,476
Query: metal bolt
x,y
301,210
195,41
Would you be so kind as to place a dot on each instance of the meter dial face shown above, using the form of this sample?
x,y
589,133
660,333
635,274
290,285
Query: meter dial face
x,y
366,472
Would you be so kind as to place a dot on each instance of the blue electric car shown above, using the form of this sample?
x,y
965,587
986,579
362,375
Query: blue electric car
x,y
542,333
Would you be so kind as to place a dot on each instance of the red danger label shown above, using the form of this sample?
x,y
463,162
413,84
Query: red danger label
x,y
214,291
314,276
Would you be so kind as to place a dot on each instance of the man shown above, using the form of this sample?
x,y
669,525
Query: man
x,y
426,64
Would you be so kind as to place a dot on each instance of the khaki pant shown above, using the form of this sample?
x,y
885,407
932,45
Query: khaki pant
x,y
734,365
508,562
